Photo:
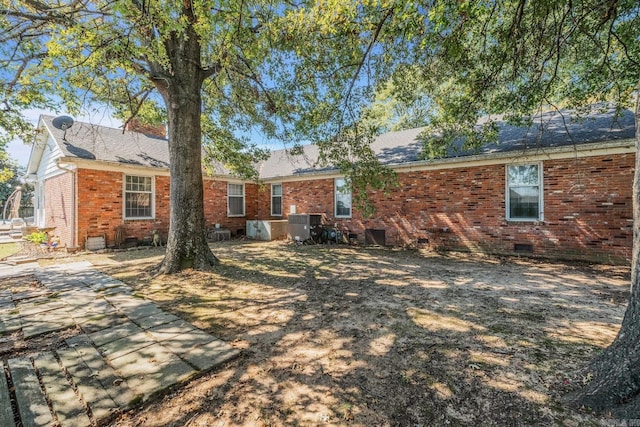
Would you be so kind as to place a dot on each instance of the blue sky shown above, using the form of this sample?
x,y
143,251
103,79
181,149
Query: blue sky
x,y
19,152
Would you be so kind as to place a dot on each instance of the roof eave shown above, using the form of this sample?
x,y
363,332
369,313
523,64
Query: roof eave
x,y
110,165
37,149
628,145
623,145
304,175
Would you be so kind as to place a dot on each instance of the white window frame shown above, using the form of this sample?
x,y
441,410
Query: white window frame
x,y
273,197
229,196
341,182
152,198
508,186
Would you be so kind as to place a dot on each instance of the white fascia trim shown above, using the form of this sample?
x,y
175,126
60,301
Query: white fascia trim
x,y
332,174
37,149
102,165
61,164
229,180
626,146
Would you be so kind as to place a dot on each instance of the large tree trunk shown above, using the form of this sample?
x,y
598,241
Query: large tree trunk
x,y
615,387
186,244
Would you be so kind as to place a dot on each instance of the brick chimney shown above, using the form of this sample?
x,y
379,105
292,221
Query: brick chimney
x,y
135,125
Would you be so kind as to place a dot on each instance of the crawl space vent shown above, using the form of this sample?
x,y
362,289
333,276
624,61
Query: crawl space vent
x,y
374,237
95,243
523,247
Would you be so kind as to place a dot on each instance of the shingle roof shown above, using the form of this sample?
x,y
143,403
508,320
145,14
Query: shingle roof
x,y
558,129
94,142
551,129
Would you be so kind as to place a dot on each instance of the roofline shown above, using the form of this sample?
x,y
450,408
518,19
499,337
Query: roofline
x,y
105,165
622,146
305,176
39,143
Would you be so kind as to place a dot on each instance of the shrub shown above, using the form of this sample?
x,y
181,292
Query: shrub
x,y
38,237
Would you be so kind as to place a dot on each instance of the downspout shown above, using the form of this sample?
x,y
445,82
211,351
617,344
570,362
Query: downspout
x,y
74,206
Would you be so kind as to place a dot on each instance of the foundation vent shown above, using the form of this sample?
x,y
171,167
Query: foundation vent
x,y
523,248
374,237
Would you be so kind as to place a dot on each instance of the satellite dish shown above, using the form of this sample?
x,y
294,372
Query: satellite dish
x,y
63,123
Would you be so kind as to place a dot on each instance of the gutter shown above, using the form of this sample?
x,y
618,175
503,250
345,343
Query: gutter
x,y
111,165
549,153
564,151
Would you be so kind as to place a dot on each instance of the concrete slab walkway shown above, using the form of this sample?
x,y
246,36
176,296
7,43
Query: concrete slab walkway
x,y
127,349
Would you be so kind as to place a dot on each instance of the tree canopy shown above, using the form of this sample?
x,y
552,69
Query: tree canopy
x,y
295,73
219,72
511,59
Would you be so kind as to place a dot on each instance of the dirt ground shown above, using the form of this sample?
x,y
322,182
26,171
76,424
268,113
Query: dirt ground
x,y
339,335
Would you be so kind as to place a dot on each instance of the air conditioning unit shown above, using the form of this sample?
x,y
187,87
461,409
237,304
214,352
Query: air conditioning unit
x,y
300,225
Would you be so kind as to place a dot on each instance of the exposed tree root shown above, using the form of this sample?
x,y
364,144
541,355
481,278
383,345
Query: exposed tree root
x,y
175,262
614,387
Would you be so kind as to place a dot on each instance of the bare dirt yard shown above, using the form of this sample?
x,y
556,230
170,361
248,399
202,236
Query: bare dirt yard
x,y
339,335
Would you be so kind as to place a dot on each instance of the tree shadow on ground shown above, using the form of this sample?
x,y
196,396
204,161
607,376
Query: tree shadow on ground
x,y
336,335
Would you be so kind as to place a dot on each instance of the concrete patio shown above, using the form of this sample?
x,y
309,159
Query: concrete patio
x,y
126,349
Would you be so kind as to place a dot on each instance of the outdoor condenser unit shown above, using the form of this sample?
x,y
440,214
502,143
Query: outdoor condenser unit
x,y
300,225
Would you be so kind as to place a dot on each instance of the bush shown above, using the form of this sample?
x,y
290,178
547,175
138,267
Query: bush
x,y
38,237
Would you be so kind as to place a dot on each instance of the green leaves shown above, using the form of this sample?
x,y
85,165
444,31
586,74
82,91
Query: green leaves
x,y
351,152
236,155
510,59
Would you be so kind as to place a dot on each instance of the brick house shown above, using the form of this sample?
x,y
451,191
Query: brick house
x,y
94,181
562,189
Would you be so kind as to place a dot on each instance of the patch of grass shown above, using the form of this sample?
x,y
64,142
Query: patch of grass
x,y
8,249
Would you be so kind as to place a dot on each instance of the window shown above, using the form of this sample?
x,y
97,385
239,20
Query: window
x,y
235,199
276,199
138,197
343,198
524,195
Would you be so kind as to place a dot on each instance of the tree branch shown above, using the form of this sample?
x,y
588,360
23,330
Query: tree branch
x,y
367,51
137,107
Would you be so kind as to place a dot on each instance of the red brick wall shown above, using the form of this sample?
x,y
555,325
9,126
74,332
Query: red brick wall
x,y
59,206
100,204
587,209
253,206
263,192
309,197
101,199
261,205
215,202
215,206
